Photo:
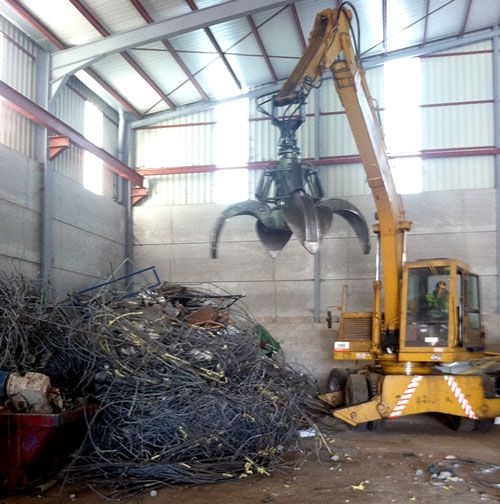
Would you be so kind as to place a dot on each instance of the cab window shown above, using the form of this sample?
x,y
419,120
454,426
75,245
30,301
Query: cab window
x,y
427,309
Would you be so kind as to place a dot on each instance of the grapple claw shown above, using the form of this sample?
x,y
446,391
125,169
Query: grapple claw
x,y
353,216
289,200
271,228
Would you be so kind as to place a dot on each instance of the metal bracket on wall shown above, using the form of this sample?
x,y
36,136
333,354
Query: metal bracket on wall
x,y
138,194
57,144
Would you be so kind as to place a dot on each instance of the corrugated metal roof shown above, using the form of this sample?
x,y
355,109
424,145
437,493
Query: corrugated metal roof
x,y
64,20
405,21
117,16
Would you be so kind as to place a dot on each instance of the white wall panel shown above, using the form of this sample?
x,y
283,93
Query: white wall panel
x,y
180,189
18,71
458,78
475,172
344,180
457,126
336,137
264,138
177,146
69,107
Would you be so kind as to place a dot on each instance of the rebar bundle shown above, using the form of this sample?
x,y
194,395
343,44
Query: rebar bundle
x,y
184,392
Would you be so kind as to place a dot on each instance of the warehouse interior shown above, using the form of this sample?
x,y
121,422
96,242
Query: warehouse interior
x,y
128,126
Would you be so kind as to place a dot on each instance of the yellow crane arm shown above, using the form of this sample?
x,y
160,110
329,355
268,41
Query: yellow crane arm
x,y
330,46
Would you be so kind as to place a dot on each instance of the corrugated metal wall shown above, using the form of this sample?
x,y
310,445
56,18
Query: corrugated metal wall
x,y
69,106
18,133
18,71
184,141
456,109
459,85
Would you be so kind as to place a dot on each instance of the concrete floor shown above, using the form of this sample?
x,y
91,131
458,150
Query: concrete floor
x,y
373,467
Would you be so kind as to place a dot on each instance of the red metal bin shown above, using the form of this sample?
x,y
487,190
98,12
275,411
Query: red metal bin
x,y
32,447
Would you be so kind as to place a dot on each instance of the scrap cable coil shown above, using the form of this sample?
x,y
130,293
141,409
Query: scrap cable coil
x,y
181,398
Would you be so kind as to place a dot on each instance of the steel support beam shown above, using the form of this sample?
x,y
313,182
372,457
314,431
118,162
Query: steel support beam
x,y
384,25
200,107
496,116
298,26
42,117
262,48
426,22
70,60
431,47
47,186
168,46
466,17
317,255
89,16
220,52
34,27
368,62
124,152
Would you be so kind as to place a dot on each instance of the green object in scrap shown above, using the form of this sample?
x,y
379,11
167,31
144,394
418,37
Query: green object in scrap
x,y
266,340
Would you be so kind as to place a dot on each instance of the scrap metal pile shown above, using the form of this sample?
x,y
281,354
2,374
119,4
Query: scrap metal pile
x,y
185,394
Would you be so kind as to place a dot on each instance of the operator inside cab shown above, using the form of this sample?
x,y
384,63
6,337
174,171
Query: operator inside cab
x,y
437,302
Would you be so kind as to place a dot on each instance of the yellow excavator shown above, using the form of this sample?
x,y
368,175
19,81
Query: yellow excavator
x,y
423,342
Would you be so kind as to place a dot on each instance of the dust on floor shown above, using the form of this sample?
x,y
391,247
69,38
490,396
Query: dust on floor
x,y
393,465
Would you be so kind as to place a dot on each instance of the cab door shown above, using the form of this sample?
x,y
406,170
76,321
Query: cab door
x,y
474,336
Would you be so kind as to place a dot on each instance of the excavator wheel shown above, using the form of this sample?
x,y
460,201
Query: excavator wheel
x,y
463,424
356,390
373,381
337,379
484,425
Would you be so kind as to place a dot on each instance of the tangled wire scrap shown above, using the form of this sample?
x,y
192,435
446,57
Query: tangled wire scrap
x,y
184,392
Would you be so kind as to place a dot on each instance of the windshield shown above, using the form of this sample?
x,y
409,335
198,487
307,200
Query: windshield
x,y
427,306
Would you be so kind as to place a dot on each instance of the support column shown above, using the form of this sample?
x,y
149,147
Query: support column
x,y
317,255
41,154
125,138
496,116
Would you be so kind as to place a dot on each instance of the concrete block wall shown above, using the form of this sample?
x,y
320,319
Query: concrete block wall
x,y
88,230
89,236
20,218
279,292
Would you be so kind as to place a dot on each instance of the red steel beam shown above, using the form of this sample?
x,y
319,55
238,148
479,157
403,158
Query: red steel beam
x,y
426,22
42,117
329,160
466,17
262,49
168,46
176,170
296,20
128,58
59,44
220,52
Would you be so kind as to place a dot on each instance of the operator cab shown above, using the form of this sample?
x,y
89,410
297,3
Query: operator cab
x,y
440,312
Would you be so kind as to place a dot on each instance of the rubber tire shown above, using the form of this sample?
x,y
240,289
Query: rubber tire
x,y
373,380
337,379
462,424
484,425
376,425
356,390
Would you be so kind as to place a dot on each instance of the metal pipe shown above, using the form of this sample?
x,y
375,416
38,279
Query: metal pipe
x,y
377,258
317,255
496,116
47,184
